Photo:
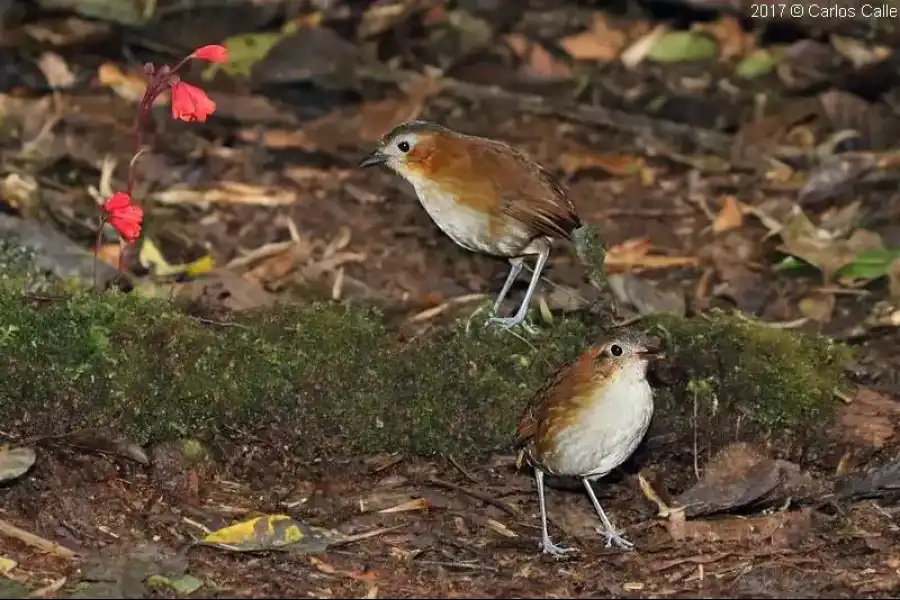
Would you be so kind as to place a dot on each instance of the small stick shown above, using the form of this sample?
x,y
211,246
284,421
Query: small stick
x,y
458,565
462,470
477,495
36,540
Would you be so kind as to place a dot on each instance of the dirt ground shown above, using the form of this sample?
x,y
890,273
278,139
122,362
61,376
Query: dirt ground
x,y
307,220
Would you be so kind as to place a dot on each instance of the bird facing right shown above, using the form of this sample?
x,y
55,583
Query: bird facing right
x,y
587,420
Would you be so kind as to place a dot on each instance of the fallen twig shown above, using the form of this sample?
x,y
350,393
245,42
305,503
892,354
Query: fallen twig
x,y
458,565
477,495
461,469
35,540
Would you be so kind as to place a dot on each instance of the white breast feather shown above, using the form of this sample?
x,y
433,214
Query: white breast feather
x,y
608,433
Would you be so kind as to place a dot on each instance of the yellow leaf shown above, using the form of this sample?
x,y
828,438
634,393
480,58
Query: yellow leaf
x,y
151,256
272,532
6,565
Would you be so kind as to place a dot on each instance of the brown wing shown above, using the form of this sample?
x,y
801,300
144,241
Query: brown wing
x,y
555,397
537,199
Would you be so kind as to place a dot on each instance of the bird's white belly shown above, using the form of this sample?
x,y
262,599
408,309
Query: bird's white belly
x,y
466,226
608,433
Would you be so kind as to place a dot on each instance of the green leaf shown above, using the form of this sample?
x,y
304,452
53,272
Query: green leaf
x,y
184,584
683,46
791,263
244,51
870,264
756,64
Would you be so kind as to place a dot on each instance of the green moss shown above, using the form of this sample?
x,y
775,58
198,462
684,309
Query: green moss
x,y
749,380
334,378
331,376
19,263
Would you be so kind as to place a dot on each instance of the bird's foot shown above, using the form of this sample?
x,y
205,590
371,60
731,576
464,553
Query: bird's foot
x,y
507,323
503,322
614,539
548,547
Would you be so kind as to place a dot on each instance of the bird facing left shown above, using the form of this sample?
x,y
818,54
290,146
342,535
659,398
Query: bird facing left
x,y
483,194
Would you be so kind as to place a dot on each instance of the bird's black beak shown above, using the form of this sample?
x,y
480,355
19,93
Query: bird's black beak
x,y
376,158
653,350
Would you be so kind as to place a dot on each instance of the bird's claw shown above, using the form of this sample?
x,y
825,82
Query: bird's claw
x,y
503,322
614,539
548,547
507,323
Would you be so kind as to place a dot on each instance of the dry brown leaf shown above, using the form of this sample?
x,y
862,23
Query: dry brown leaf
x,y
601,42
830,255
618,166
381,17
730,217
314,270
415,504
380,117
325,567
307,175
635,54
56,70
644,295
778,529
634,254
869,421
630,250
127,86
859,52
277,267
277,139
652,262
64,31
817,306
733,40
110,253
537,62
501,528
19,192
229,192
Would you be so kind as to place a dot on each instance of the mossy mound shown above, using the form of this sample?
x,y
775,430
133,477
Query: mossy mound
x,y
738,379
331,373
335,379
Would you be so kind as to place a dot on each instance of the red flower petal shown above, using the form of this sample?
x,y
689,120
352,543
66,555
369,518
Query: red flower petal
x,y
190,103
125,217
213,53
117,201
128,222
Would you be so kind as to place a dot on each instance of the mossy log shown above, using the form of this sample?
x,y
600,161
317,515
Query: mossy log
x,y
333,378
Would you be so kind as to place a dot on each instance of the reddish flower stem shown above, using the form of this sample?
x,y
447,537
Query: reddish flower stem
x,y
157,81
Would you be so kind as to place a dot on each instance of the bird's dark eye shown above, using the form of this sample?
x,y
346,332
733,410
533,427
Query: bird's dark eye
x,y
403,146
615,350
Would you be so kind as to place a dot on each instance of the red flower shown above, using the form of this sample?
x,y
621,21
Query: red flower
x,y
213,53
190,103
124,216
